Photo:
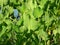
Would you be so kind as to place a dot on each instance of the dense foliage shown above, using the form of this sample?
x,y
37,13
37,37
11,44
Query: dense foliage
x,y
35,22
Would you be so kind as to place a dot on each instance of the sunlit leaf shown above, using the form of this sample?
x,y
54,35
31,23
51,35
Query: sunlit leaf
x,y
3,31
37,12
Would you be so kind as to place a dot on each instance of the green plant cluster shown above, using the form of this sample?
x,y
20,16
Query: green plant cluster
x,y
39,22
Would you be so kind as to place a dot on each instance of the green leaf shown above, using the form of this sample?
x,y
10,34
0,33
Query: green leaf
x,y
1,2
5,2
47,19
1,18
55,32
19,22
9,35
42,34
58,29
8,28
30,5
3,30
10,10
8,22
33,24
37,12
42,3
22,8
22,29
26,21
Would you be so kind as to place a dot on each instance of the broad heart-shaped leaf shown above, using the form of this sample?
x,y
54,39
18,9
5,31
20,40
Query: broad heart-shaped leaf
x,y
37,12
